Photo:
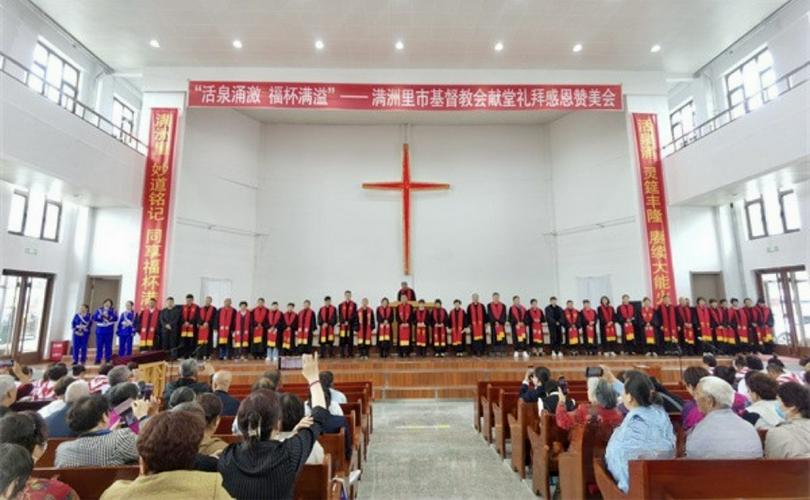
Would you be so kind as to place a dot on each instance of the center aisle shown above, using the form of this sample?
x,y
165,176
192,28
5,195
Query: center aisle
x,y
429,449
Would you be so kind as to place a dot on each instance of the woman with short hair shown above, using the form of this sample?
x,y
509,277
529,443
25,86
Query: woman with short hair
x,y
791,439
601,407
763,412
15,469
691,414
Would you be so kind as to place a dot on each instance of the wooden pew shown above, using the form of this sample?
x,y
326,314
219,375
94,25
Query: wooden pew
x,y
361,424
585,441
480,393
89,482
47,458
225,424
547,441
315,482
525,417
490,396
717,479
505,405
334,446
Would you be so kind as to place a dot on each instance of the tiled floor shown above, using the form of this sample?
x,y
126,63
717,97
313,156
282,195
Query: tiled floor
x,y
428,449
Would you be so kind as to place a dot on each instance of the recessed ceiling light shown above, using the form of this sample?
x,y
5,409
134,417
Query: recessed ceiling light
x,y
154,43
399,45
498,46
237,44
655,48
319,44
578,47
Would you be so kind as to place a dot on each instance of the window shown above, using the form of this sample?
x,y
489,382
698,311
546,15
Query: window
x,y
51,220
18,212
54,76
789,211
755,215
123,117
682,121
745,82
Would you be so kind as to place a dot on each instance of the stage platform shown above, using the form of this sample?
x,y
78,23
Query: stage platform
x,y
453,378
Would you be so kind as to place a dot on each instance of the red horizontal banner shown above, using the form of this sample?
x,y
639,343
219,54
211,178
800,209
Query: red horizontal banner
x,y
395,97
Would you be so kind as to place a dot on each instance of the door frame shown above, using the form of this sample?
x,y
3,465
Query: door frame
x,y
31,358
719,274
793,348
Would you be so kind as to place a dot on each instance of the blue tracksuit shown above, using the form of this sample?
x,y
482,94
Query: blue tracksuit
x,y
126,330
105,324
81,331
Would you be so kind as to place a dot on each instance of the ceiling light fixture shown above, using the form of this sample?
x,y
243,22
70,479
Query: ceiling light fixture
x,y
578,47
399,45
655,48
319,44
237,44
154,44
498,46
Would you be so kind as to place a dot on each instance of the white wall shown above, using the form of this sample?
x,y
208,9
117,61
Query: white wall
x,y
114,246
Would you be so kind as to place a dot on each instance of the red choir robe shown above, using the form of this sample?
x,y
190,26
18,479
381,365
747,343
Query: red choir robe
x,y
421,324
730,318
189,315
477,318
225,321
669,322
647,319
743,324
517,320
148,323
306,325
438,333
385,320
607,322
535,319
404,318
457,325
687,325
628,316
765,324
275,324
571,318
290,326
408,292
755,322
206,317
241,330
497,318
259,324
719,323
327,319
365,325
704,321
589,325
348,315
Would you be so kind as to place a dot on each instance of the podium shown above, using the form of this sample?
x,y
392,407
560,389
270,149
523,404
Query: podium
x,y
152,368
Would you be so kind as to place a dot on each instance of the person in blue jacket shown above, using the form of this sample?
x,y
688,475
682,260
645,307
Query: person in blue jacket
x,y
104,318
126,329
81,332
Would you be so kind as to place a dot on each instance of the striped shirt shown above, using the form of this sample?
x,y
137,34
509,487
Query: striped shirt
x,y
98,449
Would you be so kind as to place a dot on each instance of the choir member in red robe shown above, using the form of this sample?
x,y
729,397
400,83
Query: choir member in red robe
x,y
275,327
405,292
729,345
686,327
148,326
648,328
739,327
754,332
667,324
534,319
607,326
571,327
242,330
496,312
290,319
226,316
703,321
188,326
588,324
421,320
405,328
364,327
556,331
385,327
627,318
327,320
766,326
438,329
206,327
307,323
476,324
347,316
258,336
518,322
457,324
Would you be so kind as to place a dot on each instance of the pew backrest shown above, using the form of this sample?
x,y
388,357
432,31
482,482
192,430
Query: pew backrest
x,y
89,482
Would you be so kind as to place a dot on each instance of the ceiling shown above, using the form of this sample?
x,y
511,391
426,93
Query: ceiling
x,y
615,34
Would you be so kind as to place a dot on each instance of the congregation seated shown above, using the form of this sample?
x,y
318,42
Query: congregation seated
x,y
261,466
337,396
709,362
188,378
552,398
601,407
101,382
531,389
43,388
728,374
15,469
792,438
181,395
691,414
221,384
335,421
28,430
57,421
763,411
776,369
331,405
645,432
745,365
97,444
167,447
8,391
292,412
212,409
721,433
118,375
59,394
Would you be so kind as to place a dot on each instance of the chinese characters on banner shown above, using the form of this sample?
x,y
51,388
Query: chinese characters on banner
x,y
655,206
396,97
157,186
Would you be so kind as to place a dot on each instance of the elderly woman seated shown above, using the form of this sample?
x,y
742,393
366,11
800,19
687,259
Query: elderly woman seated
x,y
167,447
691,414
763,412
601,407
791,439
722,433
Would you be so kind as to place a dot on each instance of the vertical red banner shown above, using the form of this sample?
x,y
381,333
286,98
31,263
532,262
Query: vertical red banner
x,y
157,191
654,203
